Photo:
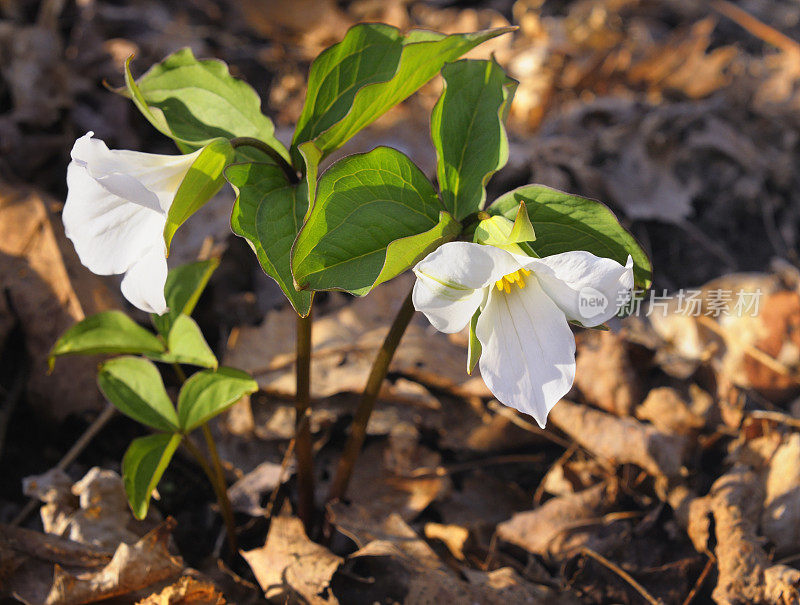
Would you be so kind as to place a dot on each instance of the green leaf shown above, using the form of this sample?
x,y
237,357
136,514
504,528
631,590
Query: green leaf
x,y
269,212
184,286
499,231
372,69
209,393
193,102
201,183
135,388
108,332
375,215
468,133
144,463
186,344
474,347
565,222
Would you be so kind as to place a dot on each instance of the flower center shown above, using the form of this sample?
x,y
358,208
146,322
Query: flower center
x,y
516,278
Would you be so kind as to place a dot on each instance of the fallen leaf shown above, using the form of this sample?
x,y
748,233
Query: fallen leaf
x,y
291,566
186,591
93,510
32,271
622,440
563,525
604,374
131,568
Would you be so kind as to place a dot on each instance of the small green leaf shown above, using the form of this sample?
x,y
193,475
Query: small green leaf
x,y
474,347
184,286
108,332
501,232
144,463
468,133
201,183
186,344
371,70
565,222
375,215
135,388
209,393
269,212
193,102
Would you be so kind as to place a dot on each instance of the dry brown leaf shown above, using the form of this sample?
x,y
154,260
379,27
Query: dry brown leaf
x,y
246,494
289,565
780,339
604,374
92,511
382,492
684,63
131,568
453,536
564,524
569,476
481,500
186,591
398,566
32,271
54,549
780,519
622,440
345,343
666,409
731,510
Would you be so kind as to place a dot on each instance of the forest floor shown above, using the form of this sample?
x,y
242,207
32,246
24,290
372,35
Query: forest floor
x,y
668,474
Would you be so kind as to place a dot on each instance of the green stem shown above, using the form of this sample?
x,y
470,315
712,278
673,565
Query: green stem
x,y
290,172
222,496
179,372
220,489
358,429
303,444
216,475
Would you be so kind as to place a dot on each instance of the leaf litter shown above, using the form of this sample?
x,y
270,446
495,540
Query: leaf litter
x,y
669,472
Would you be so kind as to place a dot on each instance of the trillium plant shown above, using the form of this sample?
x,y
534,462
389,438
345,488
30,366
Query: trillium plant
x,y
515,272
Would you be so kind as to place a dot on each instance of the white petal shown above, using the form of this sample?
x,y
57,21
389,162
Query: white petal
x,y
448,309
587,288
451,281
528,357
143,284
467,266
147,179
109,232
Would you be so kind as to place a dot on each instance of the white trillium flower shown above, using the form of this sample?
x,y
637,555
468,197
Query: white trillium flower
x,y
528,350
115,214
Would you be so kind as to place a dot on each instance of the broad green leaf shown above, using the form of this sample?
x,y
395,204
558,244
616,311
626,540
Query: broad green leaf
x,y
269,212
135,388
193,102
468,133
200,184
375,215
105,333
144,463
209,393
186,344
372,69
184,286
565,222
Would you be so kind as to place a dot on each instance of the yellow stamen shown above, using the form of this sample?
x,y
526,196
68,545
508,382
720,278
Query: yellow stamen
x,y
516,278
